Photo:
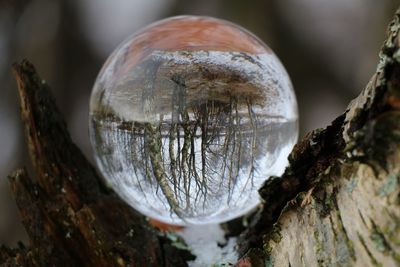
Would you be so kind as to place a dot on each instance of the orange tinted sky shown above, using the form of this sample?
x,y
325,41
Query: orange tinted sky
x,y
192,33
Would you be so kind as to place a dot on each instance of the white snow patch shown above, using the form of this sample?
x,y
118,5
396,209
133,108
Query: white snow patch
x,y
203,241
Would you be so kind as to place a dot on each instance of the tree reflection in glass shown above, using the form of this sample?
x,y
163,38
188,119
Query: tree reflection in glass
x,y
187,133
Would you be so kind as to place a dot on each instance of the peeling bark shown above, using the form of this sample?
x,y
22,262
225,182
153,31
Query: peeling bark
x,y
337,204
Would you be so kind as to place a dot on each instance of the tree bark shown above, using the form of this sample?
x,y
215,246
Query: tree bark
x,y
70,217
337,204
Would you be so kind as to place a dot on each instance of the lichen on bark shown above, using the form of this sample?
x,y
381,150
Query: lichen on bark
x,y
341,203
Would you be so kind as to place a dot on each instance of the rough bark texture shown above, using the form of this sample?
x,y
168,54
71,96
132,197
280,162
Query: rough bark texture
x,y
337,204
71,219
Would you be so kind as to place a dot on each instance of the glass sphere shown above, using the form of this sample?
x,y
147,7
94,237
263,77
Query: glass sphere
x,y
189,117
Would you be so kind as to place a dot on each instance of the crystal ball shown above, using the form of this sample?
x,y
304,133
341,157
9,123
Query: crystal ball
x,y
188,118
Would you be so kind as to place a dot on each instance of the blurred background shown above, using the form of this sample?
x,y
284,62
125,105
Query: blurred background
x,y
328,47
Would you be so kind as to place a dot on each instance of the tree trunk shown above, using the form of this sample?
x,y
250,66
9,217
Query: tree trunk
x,y
337,204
